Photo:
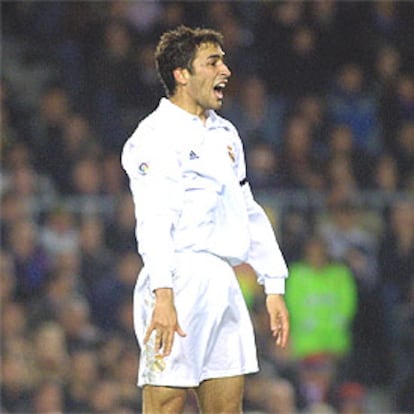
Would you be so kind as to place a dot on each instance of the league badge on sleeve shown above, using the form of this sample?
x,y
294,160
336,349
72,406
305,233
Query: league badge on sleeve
x,y
143,168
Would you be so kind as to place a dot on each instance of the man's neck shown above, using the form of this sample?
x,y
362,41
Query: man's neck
x,y
189,106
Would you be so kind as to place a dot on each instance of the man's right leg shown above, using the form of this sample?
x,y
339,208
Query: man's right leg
x,y
163,400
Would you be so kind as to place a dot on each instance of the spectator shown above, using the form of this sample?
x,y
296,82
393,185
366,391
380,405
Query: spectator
x,y
105,397
217,13
114,180
84,375
30,261
17,155
397,107
51,360
13,320
13,209
111,91
403,384
61,284
75,319
86,178
303,72
404,154
344,230
59,233
262,165
341,146
142,16
272,35
386,175
341,176
96,261
239,40
78,141
316,378
78,137
109,352
351,398
45,24
13,129
298,162
33,188
48,398
350,104
270,395
322,297
350,242
386,24
148,86
125,375
71,49
48,128
386,69
172,15
15,383
312,109
86,187
396,254
125,317
111,292
331,31
7,278
296,228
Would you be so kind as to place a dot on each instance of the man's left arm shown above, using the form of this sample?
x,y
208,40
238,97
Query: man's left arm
x,y
266,258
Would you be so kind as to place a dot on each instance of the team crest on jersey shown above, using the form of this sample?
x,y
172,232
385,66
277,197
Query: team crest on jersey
x,y
158,364
230,151
143,168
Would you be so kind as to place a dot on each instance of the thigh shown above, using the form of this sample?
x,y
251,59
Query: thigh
x,y
160,400
221,395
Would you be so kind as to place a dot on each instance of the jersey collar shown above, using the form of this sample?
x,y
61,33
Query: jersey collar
x,y
179,114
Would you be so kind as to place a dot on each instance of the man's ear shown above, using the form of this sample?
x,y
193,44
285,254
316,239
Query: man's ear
x,y
181,75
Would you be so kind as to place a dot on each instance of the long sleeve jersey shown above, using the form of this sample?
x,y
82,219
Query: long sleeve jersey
x,y
188,182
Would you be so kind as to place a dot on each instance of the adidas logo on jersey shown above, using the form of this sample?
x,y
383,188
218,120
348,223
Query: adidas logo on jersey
x,y
193,155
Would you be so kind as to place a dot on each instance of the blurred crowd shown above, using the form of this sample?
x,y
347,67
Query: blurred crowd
x,y
322,94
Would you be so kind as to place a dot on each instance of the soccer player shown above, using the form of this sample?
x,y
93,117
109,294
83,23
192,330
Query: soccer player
x,y
195,219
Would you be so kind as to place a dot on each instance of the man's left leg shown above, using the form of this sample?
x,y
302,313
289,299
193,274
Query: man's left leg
x,y
221,395
163,400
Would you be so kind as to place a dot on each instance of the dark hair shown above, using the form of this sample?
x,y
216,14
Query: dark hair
x,y
177,49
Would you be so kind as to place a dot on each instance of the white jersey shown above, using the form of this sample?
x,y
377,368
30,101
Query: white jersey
x,y
196,217
188,181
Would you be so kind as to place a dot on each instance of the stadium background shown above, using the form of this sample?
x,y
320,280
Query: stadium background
x,y
323,96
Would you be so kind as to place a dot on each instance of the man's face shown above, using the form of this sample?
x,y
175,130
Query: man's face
x,y
208,78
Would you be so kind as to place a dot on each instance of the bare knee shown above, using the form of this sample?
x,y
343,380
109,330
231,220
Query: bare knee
x,y
221,396
163,400
214,406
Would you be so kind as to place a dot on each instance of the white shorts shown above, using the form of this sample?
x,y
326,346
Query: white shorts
x,y
212,312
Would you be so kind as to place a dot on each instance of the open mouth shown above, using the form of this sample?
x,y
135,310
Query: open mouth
x,y
218,89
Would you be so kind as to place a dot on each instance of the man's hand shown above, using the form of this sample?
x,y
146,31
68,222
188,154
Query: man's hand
x,y
279,318
164,322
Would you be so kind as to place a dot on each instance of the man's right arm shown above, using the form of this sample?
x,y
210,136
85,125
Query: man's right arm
x,y
156,187
155,182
